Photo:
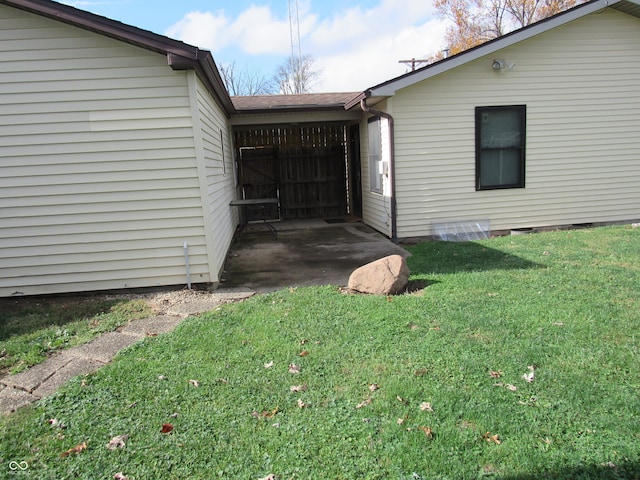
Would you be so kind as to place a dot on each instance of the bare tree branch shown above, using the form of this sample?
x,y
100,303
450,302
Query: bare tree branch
x,y
245,82
477,21
295,76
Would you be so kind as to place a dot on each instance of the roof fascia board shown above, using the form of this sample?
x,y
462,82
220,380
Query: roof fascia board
x,y
389,88
208,71
291,109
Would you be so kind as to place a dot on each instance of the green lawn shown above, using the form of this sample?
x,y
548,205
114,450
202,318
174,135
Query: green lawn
x,y
428,385
32,328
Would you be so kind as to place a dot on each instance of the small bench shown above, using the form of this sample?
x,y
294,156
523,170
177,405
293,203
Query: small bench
x,y
257,202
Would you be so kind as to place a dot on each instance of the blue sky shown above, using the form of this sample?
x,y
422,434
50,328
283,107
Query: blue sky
x,y
355,44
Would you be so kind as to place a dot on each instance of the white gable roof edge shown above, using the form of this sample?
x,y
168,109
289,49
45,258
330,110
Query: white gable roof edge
x,y
390,87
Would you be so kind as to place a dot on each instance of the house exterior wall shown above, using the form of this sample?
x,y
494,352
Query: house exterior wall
x,y
99,184
214,151
376,206
580,85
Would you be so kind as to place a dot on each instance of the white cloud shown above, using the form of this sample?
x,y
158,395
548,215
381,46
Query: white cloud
x,y
376,59
255,31
258,32
355,49
360,48
203,29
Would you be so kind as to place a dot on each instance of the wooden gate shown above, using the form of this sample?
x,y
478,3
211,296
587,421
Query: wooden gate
x,y
304,165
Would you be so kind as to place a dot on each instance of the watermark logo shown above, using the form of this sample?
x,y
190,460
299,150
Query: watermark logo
x,y
13,466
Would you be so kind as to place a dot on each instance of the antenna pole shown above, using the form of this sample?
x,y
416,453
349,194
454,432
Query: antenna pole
x,y
294,31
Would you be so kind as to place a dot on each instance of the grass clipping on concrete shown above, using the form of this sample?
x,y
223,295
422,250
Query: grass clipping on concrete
x,y
519,360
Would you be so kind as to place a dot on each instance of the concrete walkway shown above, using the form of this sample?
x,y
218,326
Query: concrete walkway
x,y
44,379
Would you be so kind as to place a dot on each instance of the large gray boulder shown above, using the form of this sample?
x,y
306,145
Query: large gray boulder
x,y
386,276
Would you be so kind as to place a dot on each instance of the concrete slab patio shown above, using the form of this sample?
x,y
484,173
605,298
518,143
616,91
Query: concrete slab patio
x,y
304,253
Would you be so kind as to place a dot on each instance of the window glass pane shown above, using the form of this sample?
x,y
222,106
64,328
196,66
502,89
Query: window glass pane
x,y
500,147
500,167
375,155
500,129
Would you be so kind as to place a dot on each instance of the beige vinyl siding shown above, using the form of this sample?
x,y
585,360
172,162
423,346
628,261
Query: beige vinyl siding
x,y
375,206
98,176
580,83
217,176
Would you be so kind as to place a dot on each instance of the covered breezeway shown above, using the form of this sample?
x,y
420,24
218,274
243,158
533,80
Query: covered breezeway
x,y
305,156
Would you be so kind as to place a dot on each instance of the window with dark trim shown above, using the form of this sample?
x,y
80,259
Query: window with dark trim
x,y
224,163
500,147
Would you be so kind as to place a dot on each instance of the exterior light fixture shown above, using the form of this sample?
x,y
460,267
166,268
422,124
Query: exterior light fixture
x,y
498,65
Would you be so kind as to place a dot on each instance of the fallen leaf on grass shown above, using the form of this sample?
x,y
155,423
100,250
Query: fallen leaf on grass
x,y
426,407
427,431
528,377
195,383
268,365
265,414
401,400
120,476
491,438
76,449
166,428
508,386
304,341
293,368
303,353
55,423
402,420
117,442
364,403
301,404
298,388
374,386
495,373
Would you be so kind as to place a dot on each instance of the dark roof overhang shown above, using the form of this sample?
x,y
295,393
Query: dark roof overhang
x,y
310,102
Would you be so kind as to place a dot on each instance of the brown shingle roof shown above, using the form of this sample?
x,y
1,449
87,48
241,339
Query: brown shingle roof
x,y
308,101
